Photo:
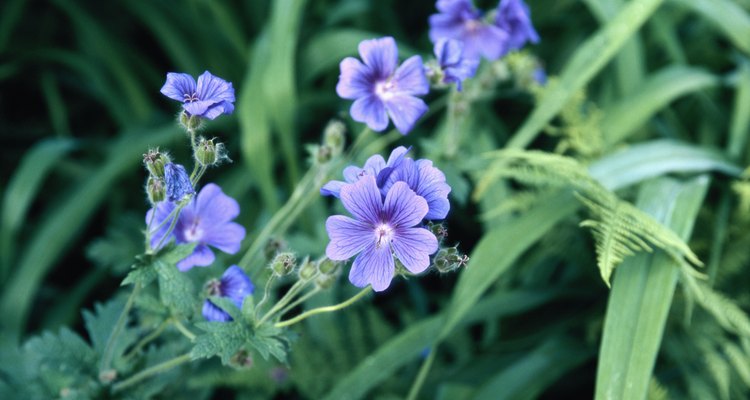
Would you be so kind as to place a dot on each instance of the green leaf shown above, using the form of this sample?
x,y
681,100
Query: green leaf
x,y
727,16
740,127
642,295
175,288
223,339
326,50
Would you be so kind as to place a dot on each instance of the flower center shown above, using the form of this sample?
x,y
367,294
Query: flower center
x,y
213,288
384,89
473,25
383,235
189,98
193,233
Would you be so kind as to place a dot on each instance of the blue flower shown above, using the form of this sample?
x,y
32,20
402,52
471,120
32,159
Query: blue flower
x,y
514,17
177,182
455,67
382,228
381,88
235,285
207,220
421,176
459,20
211,97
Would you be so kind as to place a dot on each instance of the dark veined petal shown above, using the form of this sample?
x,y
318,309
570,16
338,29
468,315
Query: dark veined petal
x,y
362,199
163,209
413,247
178,85
177,182
432,186
202,256
373,266
354,80
371,111
217,109
213,313
405,110
211,87
199,107
373,165
226,236
380,55
348,237
403,208
410,78
353,173
236,285
213,207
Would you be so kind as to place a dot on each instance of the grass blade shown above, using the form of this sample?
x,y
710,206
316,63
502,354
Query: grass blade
x,y
727,16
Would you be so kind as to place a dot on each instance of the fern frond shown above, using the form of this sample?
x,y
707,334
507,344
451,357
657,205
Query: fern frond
x,y
739,360
539,168
728,314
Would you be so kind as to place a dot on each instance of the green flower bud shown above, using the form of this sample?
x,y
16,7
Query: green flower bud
x,y
324,154
156,190
208,153
449,259
334,137
190,122
283,263
325,281
328,266
155,161
439,230
307,270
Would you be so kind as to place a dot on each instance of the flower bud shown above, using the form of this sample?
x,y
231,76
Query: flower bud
x,y
307,270
334,136
208,153
449,259
324,154
190,122
177,182
325,281
283,263
327,266
155,190
155,161
439,230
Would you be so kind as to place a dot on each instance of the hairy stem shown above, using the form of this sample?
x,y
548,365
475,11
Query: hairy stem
x,y
149,372
326,309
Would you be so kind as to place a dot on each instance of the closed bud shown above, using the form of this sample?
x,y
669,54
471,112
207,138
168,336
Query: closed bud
x,y
190,122
307,270
325,281
334,136
449,259
155,161
324,154
208,153
177,182
328,266
155,190
283,263
439,230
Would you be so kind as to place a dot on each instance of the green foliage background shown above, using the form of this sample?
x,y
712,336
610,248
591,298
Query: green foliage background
x,y
641,132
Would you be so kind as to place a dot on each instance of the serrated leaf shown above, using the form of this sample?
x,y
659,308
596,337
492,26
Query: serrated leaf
x,y
100,322
175,288
223,339
268,341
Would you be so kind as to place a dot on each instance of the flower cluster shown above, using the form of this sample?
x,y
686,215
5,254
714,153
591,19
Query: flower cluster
x,y
206,220
389,200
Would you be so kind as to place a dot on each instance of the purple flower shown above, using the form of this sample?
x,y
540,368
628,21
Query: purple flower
x,y
455,67
235,285
514,17
459,20
177,182
207,220
421,176
380,88
381,228
211,97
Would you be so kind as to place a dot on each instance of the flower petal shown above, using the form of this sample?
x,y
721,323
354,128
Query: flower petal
x,y
178,85
413,247
226,237
371,111
202,257
373,266
403,208
362,199
217,109
490,42
405,110
433,187
354,80
373,165
448,51
410,78
348,237
381,55
213,207
211,87
213,313
236,285
332,188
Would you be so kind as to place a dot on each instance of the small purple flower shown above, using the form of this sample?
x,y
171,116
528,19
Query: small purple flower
x,y
177,182
381,228
211,97
207,220
459,20
455,67
235,285
381,88
374,166
514,17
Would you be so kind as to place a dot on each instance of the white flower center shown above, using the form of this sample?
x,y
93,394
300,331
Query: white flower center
x,y
193,233
383,235
473,25
384,89
189,98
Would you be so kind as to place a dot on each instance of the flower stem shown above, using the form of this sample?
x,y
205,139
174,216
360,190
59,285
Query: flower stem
x,y
422,375
173,216
326,309
109,349
299,285
149,372
148,338
265,295
298,301
185,331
